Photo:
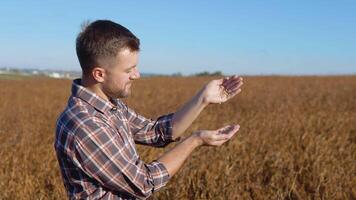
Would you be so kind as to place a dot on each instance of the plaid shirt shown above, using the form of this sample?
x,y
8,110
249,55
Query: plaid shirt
x,y
95,146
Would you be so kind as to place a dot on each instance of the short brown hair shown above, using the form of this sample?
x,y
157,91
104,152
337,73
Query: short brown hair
x,y
103,39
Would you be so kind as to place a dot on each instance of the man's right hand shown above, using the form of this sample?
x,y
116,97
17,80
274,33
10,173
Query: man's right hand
x,y
174,158
216,137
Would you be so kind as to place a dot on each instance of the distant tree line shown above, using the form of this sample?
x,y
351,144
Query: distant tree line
x,y
204,73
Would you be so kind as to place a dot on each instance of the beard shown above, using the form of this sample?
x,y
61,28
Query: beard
x,y
114,93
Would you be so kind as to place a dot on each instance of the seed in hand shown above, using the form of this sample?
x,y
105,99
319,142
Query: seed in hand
x,y
226,130
224,92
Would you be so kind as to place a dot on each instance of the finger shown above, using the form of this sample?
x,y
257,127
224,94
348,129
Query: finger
x,y
234,92
231,91
231,79
231,83
225,128
229,128
228,91
234,77
225,79
219,143
224,137
227,132
234,86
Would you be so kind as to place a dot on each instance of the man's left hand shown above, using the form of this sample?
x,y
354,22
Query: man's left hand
x,y
221,90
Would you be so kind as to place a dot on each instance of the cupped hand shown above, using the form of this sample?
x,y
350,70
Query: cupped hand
x,y
221,90
217,137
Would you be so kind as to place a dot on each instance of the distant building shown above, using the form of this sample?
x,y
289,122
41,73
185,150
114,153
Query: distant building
x,y
41,72
55,75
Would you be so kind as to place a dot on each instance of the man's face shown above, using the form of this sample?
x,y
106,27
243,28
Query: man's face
x,y
120,74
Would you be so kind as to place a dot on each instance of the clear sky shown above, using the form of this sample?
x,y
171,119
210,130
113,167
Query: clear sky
x,y
235,37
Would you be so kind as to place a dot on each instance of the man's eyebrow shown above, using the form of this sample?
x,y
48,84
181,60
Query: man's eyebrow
x,y
130,67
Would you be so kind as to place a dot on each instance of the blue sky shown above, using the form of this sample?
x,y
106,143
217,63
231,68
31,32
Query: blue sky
x,y
235,37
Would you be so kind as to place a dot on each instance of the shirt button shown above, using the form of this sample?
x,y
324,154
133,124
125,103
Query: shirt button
x,y
114,109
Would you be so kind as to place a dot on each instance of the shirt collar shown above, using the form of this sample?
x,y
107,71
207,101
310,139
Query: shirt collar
x,y
93,99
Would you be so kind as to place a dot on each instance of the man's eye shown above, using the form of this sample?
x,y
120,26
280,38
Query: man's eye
x,y
130,70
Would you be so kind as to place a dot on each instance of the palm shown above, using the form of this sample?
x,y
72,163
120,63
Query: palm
x,y
221,90
218,137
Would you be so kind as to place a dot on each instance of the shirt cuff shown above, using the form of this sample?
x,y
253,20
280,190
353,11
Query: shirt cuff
x,y
158,174
165,127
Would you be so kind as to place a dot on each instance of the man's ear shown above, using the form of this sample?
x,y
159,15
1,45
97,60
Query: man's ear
x,y
98,74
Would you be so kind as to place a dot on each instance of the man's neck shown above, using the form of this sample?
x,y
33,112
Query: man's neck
x,y
93,86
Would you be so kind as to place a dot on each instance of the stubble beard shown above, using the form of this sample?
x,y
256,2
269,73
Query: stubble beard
x,y
118,93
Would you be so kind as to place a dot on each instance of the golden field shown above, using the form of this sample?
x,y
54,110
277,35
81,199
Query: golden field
x,y
297,138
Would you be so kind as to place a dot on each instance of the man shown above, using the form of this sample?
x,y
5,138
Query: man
x,y
97,132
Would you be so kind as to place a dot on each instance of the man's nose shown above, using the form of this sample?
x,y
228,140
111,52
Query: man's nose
x,y
136,74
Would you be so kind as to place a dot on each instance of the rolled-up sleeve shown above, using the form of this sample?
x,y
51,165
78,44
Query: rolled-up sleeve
x,y
159,174
156,133
104,155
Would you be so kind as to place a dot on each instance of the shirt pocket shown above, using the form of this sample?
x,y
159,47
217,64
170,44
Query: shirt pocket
x,y
116,133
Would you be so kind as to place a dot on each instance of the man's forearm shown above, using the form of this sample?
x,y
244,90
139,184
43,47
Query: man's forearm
x,y
174,158
185,116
